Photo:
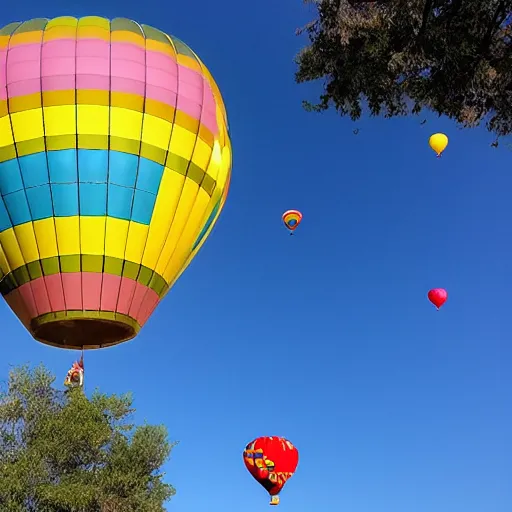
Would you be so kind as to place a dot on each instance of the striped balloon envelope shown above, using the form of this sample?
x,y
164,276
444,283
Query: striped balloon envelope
x,y
292,219
115,163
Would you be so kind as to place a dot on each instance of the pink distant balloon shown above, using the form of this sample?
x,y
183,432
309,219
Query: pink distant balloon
x,y
438,296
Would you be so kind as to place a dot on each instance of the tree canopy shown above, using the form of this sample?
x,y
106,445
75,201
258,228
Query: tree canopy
x,y
452,57
63,452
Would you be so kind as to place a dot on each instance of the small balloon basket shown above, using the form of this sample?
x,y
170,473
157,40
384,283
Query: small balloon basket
x,y
274,500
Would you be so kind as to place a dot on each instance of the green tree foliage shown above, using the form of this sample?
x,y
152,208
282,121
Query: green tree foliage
x,y
63,452
453,57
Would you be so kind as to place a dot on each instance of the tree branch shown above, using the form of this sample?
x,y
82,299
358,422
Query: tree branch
x,y
497,19
427,8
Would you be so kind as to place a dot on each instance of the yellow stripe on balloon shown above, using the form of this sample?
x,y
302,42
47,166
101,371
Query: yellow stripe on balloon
x,y
6,138
12,249
188,236
215,161
68,235
59,120
92,120
182,142
224,169
185,205
211,206
27,242
165,208
137,234
156,131
46,238
92,235
4,264
202,154
27,125
125,123
224,166
116,236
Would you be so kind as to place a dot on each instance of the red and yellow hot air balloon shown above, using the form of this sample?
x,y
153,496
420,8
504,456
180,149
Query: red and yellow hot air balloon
x,y
292,219
271,461
115,163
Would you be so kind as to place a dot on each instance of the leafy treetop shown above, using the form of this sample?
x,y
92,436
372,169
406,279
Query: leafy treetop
x,y
453,57
63,452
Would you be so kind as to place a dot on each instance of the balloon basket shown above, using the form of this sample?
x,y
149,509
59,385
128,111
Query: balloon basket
x,y
274,500
80,330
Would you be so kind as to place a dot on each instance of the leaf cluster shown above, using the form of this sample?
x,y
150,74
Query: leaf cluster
x,y
452,57
63,452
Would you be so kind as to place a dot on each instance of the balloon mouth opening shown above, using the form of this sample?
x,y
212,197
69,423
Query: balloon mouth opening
x,y
83,333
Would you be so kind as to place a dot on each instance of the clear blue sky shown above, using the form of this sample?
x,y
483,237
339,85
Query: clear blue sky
x,y
326,338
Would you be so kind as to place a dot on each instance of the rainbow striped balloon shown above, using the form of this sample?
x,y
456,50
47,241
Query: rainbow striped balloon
x,y
115,163
292,219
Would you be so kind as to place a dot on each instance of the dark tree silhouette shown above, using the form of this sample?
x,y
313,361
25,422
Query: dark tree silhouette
x,y
452,57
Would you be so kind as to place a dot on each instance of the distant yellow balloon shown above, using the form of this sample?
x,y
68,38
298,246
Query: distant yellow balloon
x,y
438,142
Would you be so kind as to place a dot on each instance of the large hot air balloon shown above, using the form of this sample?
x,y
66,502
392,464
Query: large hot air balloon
x,y
292,219
271,461
115,163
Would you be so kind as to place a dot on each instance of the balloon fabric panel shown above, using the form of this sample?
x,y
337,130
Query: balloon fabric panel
x,y
115,163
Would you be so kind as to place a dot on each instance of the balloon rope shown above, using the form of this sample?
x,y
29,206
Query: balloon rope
x,y
83,371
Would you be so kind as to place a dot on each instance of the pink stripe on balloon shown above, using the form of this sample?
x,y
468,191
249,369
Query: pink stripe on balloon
x,y
138,296
191,92
55,292
23,63
110,292
93,82
58,83
91,291
28,299
190,107
160,94
41,298
144,300
3,74
17,304
20,71
209,119
128,52
127,69
58,48
208,99
23,88
127,85
150,302
93,66
190,77
162,78
125,296
162,61
120,67
92,48
82,291
72,284
63,66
